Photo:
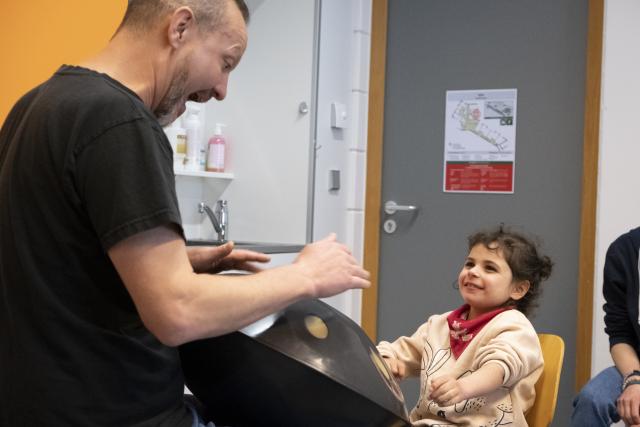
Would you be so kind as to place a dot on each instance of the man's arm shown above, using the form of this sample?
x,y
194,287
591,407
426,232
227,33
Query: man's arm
x,y
620,264
625,358
178,305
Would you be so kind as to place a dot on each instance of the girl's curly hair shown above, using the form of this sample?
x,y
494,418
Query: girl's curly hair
x,y
522,255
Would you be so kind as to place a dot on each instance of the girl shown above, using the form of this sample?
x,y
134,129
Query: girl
x,y
478,364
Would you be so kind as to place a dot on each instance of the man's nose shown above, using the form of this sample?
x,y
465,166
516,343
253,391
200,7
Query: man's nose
x,y
220,90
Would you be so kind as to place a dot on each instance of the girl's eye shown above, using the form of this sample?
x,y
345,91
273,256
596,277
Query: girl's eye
x,y
490,268
468,264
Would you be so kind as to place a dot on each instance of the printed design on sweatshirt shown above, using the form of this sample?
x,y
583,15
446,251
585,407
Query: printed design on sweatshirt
x,y
434,360
505,418
431,363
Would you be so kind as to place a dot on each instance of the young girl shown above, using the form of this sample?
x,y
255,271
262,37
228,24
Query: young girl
x,y
478,364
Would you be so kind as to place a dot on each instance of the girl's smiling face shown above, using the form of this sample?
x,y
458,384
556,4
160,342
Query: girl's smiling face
x,y
486,282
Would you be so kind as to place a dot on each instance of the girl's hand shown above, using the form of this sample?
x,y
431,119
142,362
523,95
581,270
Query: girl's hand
x,y
446,391
397,367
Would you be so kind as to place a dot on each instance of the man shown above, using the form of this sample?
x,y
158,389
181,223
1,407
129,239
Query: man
x,y
97,287
614,394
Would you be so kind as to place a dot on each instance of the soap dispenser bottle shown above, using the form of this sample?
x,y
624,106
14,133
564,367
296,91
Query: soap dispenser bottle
x,y
216,150
177,136
194,137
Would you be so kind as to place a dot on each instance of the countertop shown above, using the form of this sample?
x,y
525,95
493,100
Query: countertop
x,y
264,247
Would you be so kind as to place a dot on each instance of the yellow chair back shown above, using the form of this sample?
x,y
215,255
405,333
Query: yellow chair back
x,y
541,413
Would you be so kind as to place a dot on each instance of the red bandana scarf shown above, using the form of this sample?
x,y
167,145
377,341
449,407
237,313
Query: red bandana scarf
x,y
462,331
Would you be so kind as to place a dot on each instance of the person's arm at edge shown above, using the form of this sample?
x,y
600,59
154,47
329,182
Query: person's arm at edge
x,y
178,305
625,358
628,403
620,261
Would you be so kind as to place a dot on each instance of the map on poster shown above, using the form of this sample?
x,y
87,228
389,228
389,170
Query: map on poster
x,y
480,140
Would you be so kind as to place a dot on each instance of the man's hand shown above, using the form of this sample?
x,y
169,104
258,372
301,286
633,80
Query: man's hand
x,y
397,367
629,405
331,268
215,259
446,391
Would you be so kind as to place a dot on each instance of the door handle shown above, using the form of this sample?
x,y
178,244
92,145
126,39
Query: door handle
x,y
391,207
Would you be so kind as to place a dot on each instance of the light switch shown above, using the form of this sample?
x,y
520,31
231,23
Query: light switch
x,y
338,115
334,180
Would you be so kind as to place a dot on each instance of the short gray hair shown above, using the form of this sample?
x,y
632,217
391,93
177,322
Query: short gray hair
x,y
141,15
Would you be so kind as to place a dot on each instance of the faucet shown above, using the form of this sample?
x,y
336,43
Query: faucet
x,y
219,218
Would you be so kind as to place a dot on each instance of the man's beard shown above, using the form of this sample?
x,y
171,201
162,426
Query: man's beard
x,y
166,111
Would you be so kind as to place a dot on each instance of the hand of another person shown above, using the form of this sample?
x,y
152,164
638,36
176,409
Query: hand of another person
x,y
446,391
629,405
331,267
397,367
215,259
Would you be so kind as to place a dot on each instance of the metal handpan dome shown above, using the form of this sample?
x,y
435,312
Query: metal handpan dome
x,y
306,366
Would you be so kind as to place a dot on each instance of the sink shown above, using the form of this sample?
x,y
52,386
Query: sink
x,y
265,247
204,242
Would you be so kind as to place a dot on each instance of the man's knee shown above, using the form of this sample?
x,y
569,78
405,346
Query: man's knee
x,y
589,396
594,398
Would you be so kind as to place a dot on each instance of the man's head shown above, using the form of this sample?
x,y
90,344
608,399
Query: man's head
x,y
203,42
142,15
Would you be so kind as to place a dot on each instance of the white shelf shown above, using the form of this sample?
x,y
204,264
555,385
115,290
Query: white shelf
x,y
204,174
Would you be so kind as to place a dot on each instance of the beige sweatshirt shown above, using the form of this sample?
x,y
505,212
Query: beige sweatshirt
x,y
508,340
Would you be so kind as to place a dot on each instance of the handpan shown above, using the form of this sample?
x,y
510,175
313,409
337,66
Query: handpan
x,y
305,366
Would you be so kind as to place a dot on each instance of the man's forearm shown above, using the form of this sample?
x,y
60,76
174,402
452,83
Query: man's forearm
x,y
178,305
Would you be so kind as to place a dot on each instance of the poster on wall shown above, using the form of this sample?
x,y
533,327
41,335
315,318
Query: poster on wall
x,y
480,141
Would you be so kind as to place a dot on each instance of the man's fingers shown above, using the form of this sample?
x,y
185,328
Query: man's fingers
x,y
225,249
331,237
253,256
361,283
361,273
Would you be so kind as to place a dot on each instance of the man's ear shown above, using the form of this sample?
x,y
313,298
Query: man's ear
x,y
520,289
181,24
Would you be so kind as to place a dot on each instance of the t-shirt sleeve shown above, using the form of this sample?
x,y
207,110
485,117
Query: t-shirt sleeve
x,y
125,180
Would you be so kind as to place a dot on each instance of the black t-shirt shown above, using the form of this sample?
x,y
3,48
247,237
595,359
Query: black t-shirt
x,y
83,165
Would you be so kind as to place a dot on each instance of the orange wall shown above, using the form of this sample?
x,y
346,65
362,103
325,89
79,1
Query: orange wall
x,y
37,36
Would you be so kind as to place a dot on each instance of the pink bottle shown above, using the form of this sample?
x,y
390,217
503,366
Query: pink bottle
x,y
215,151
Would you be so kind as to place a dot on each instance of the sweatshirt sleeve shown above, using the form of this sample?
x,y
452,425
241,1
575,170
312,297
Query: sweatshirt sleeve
x,y
619,266
514,346
407,349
